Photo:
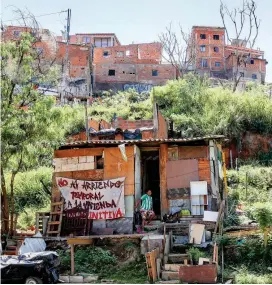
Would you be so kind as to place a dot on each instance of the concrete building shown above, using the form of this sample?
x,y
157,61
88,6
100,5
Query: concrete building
x,y
215,58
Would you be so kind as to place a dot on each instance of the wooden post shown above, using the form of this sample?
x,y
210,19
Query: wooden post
x,y
37,222
72,259
163,181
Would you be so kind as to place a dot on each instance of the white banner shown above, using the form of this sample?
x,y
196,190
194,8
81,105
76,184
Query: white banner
x,y
104,199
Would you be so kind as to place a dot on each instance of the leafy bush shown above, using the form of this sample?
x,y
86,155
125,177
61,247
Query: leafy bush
x,y
29,191
195,254
198,110
87,259
249,252
259,183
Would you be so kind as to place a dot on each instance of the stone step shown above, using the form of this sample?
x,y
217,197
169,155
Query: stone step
x,y
177,257
172,267
169,275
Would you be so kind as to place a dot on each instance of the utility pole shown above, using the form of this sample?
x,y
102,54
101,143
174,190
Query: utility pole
x,y
65,73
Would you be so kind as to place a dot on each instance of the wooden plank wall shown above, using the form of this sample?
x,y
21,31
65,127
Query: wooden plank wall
x,y
115,166
163,179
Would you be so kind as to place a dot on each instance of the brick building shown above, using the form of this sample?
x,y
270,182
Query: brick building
x,y
217,59
45,42
79,68
96,40
135,66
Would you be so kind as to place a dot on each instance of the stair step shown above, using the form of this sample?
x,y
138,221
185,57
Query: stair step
x,y
53,232
56,213
172,267
54,223
11,247
169,275
177,257
56,203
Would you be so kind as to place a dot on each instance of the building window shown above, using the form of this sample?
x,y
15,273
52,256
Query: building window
x,y
203,36
105,43
217,64
216,49
242,74
17,34
120,54
216,37
154,72
86,40
202,48
252,61
254,76
111,72
204,62
105,53
127,53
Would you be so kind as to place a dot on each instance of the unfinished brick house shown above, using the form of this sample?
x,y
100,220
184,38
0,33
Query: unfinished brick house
x,y
45,42
215,58
79,68
135,66
95,40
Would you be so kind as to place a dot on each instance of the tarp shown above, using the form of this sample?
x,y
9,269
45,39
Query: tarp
x,y
104,199
36,244
29,258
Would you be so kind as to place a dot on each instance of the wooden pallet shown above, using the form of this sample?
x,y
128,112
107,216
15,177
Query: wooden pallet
x,y
55,219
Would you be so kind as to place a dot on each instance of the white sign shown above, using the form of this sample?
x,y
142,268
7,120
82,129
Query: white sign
x,y
104,199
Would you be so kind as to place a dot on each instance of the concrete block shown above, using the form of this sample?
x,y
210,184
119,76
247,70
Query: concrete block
x,y
65,278
72,160
90,278
172,267
83,166
76,279
57,168
82,159
69,167
170,275
90,158
62,161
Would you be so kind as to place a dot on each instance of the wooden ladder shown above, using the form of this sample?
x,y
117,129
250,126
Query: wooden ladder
x,y
55,219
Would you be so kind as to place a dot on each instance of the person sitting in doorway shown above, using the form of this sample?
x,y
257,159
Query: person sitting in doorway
x,y
146,209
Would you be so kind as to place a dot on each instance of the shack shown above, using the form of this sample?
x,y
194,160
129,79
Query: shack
x,y
98,180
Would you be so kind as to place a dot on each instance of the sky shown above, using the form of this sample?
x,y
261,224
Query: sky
x,y
137,21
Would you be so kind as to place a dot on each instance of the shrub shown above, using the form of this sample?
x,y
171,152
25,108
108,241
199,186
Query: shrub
x,y
87,259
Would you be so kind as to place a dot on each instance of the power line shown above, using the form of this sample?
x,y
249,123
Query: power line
x,y
29,17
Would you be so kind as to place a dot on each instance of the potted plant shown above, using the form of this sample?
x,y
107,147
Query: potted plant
x,y
194,255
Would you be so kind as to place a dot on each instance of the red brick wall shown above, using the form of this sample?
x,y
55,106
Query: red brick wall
x,y
78,58
141,73
209,43
138,53
130,124
44,39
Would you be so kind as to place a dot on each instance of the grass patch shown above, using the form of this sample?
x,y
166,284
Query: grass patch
x,y
131,273
246,277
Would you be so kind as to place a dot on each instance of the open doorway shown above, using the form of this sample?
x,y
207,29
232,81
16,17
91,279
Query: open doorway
x,y
151,178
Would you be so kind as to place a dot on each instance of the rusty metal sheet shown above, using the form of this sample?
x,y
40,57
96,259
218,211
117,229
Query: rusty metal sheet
x,y
181,172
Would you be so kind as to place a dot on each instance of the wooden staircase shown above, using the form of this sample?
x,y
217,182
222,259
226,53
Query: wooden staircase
x,y
55,219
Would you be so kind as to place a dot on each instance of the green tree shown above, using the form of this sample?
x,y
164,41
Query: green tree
x,y
28,121
263,214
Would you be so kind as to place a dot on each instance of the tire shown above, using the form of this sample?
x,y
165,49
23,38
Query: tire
x,y
33,280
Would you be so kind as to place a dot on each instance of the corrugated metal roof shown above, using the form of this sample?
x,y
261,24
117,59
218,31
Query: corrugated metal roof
x,y
142,141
